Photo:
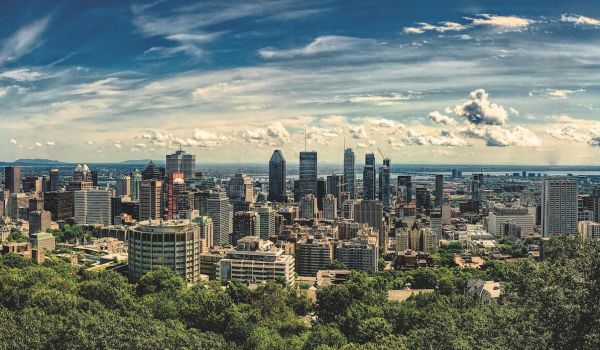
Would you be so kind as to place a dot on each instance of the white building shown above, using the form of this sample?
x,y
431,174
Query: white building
x,y
266,227
589,229
308,207
499,216
93,206
218,211
329,207
256,261
559,206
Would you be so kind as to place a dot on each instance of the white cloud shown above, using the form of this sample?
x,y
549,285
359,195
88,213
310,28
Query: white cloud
x,y
478,110
380,100
273,135
361,145
554,93
570,133
357,131
50,143
497,136
440,118
24,74
440,28
118,145
90,142
577,19
38,144
25,40
504,22
322,136
321,45
12,142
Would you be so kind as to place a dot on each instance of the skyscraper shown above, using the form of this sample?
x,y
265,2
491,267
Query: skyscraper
x,y
405,187
93,206
266,222
218,211
371,213
477,188
308,207
123,185
153,172
136,180
308,173
175,185
384,184
245,223
54,180
150,199
277,174
369,177
559,206
439,190
241,189
330,207
12,179
181,162
349,172
335,185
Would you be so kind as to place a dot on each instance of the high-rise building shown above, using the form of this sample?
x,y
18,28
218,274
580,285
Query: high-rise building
x,y
277,178
350,172
559,206
123,186
218,211
39,221
312,255
266,222
417,239
371,213
335,186
321,192
405,188
33,184
385,191
359,253
152,172
93,206
12,179
81,179
369,178
59,204
136,181
181,162
477,187
308,207
245,223
308,173
54,180
150,199
519,216
330,207
241,189
172,244
206,231
422,197
256,261
439,190
175,185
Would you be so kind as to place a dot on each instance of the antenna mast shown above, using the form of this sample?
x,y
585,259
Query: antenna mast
x,y
304,139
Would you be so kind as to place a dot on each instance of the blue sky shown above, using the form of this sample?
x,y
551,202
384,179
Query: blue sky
x,y
426,82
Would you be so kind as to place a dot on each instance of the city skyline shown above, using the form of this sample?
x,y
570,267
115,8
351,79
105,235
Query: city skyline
x,y
507,83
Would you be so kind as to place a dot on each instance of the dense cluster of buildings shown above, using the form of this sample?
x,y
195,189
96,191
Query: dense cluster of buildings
x,y
254,229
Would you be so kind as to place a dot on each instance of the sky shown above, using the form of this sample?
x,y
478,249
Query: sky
x,y
424,82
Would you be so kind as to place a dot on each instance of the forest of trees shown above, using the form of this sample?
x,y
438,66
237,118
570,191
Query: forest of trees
x,y
553,304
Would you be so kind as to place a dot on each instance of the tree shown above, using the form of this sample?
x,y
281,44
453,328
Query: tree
x,y
159,280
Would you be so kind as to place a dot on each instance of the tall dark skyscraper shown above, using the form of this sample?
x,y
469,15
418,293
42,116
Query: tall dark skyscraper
x,y
405,185
277,174
350,172
335,186
181,162
321,192
54,180
369,178
439,190
384,184
12,179
477,188
308,173
152,172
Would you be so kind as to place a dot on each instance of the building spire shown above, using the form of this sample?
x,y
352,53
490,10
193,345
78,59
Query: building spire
x,y
304,139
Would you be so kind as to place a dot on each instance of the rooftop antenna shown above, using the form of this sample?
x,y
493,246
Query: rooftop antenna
x,y
344,141
304,139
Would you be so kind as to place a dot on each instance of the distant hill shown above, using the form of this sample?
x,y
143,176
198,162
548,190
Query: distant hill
x,y
37,162
136,161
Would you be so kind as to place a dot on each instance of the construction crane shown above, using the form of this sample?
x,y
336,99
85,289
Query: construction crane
x,y
382,155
